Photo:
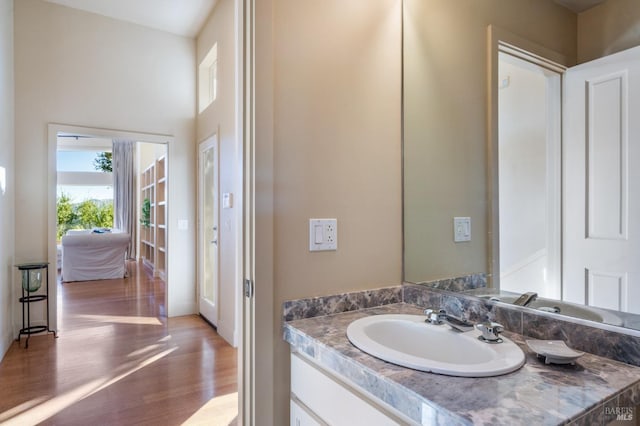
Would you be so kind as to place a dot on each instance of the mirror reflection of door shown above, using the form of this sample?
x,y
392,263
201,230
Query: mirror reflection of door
x,y
208,230
601,207
529,155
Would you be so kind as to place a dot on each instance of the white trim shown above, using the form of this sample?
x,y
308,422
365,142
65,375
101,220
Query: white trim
x,y
242,30
530,57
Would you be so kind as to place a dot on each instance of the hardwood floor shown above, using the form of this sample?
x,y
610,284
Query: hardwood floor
x,y
119,361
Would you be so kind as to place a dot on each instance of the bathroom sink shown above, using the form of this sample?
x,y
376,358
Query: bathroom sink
x,y
409,341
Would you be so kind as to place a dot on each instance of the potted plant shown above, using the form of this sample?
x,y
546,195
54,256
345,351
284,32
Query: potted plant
x,y
145,220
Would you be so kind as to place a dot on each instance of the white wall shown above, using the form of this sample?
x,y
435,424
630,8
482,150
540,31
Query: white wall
x,y
220,118
523,173
7,177
328,128
77,68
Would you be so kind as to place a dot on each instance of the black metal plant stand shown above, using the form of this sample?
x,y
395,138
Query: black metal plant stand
x,y
27,299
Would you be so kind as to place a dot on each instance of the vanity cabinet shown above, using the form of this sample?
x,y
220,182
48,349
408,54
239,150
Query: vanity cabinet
x,y
301,416
321,398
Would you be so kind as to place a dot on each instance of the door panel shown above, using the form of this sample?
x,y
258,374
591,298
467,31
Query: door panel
x,y
601,241
208,230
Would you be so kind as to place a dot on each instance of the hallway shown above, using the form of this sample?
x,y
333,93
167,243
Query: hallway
x,y
119,361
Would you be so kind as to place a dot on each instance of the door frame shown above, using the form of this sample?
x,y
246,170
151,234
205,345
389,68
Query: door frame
x,y
211,142
500,40
551,286
52,135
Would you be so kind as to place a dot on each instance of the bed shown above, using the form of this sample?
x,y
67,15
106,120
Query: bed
x,y
90,255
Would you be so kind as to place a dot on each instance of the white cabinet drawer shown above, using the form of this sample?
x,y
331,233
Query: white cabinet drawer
x,y
330,400
301,417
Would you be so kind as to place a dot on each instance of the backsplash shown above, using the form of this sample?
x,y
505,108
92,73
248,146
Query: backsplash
x,y
463,283
607,343
338,303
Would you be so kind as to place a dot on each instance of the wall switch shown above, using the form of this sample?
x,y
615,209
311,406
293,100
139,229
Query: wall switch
x,y
323,234
183,225
461,229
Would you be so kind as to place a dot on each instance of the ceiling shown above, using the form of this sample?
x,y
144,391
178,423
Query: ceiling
x,y
182,17
579,6
186,17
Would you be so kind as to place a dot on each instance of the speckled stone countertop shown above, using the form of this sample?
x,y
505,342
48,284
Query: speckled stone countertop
x,y
536,394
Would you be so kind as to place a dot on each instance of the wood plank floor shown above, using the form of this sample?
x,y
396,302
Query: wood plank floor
x,y
119,361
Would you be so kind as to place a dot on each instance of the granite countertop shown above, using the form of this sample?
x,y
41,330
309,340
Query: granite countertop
x,y
535,394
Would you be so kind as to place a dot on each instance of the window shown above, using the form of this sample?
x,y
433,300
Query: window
x,y
84,194
208,79
79,179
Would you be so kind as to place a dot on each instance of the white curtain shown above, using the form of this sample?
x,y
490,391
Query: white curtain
x,y
124,190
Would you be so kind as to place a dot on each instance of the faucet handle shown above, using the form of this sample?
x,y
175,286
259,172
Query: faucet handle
x,y
490,331
435,316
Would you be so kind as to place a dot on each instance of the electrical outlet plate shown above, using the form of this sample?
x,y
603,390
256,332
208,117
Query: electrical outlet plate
x,y
323,234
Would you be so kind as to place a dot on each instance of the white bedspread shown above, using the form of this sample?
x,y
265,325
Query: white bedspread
x,y
89,256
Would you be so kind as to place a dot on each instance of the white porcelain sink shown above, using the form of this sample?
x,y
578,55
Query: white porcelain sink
x,y
409,341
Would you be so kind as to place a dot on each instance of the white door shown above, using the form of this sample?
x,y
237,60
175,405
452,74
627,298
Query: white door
x,y
208,258
601,211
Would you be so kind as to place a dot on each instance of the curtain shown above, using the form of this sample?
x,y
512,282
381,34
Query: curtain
x,y
124,190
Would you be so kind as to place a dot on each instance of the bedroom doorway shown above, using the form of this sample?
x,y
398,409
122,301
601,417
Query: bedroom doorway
x,y
88,197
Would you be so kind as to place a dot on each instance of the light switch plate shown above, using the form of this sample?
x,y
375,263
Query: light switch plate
x,y
323,234
461,229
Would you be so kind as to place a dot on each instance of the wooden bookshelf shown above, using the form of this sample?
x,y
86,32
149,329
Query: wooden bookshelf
x,y
153,238
161,216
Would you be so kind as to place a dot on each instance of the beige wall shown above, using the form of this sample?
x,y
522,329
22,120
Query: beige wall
x,y
608,28
220,118
78,68
7,142
445,142
335,152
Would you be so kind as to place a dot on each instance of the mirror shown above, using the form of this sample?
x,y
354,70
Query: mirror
x,y
450,162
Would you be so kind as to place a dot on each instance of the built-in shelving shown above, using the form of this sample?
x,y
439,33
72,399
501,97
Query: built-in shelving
x,y
153,238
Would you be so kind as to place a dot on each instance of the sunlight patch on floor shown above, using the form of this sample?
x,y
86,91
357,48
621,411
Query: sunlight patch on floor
x,y
121,319
44,410
12,412
143,351
219,411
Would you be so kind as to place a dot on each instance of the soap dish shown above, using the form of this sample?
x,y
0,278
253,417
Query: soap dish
x,y
554,351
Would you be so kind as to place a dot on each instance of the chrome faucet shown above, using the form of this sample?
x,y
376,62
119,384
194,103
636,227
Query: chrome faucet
x,y
490,331
441,317
435,316
526,299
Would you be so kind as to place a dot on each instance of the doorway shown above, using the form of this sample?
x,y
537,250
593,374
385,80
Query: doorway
x,y
102,135
208,219
529,181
